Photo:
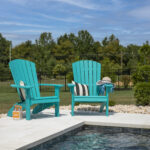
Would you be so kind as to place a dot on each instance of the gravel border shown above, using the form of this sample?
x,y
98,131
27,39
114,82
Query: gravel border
x,y
116,108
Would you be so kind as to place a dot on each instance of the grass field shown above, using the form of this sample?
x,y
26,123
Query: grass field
x,y
7,99
8,95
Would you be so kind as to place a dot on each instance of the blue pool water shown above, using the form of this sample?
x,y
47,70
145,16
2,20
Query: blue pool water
x,y
102,138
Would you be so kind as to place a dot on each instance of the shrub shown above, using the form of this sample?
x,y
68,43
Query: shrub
x,y
70,77
108,69
59,69
112,103
142,93
125,80
4,73
142,74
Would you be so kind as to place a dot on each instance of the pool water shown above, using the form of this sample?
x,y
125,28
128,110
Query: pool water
x,y
103,138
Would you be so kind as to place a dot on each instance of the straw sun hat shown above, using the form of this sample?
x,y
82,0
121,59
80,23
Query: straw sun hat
x,y
104,80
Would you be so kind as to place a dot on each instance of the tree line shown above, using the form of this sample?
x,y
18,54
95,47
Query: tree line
x,y
55,57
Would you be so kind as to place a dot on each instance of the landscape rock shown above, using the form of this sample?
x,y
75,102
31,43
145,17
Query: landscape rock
x,y
116,109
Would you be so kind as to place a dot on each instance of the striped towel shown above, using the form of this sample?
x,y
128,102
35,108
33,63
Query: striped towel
x,y
80,89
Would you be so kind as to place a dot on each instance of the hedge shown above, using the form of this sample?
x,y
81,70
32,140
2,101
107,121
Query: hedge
x,y
142,74
142,93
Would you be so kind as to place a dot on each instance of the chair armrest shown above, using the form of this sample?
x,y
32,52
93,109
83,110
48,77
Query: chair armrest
x,y
55,85
108,85
70,85
27,89
24,87
108,88
104,87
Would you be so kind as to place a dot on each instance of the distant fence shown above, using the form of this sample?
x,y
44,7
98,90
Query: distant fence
x,y
120,77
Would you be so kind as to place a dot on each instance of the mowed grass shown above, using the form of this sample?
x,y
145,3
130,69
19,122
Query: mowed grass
x,y
7,99
124,97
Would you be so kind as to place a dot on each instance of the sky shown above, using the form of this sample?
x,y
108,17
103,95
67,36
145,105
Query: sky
x,y
128,20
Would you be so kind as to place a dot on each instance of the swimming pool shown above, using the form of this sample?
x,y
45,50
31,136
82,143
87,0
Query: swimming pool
x,y
100,138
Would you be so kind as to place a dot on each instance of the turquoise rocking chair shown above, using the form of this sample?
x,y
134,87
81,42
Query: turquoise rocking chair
x,y
23,70
89,72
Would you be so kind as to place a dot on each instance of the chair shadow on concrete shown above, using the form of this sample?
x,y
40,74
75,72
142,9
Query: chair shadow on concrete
x,y
92,111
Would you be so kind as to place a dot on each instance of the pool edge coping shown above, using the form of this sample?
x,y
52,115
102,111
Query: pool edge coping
x,y
33,144
50,137
124,125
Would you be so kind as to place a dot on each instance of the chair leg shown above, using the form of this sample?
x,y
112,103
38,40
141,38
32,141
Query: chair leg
x,y
107,108
72,109
27,109
102,107
28,112
11,110
57,109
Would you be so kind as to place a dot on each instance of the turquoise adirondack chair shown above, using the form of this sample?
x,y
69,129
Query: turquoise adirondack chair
x,y
89,72
23,70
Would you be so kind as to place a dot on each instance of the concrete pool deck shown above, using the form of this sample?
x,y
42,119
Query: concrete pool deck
x,y
23,134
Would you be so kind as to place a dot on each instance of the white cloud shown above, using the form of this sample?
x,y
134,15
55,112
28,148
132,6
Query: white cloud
x,y
10,35
116,2
142,13
29,31
87,16
102,5
19,36
80,3
23,24
21,2
71,19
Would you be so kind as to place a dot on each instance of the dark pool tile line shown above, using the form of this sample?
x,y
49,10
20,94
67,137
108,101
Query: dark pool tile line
x,y
108,129
101,129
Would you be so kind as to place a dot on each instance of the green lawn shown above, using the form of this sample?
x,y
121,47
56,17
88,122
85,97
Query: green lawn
x,y
8,99
123,97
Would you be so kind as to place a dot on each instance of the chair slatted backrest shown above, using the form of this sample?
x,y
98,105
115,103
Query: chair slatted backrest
x,y
23,70
87,72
